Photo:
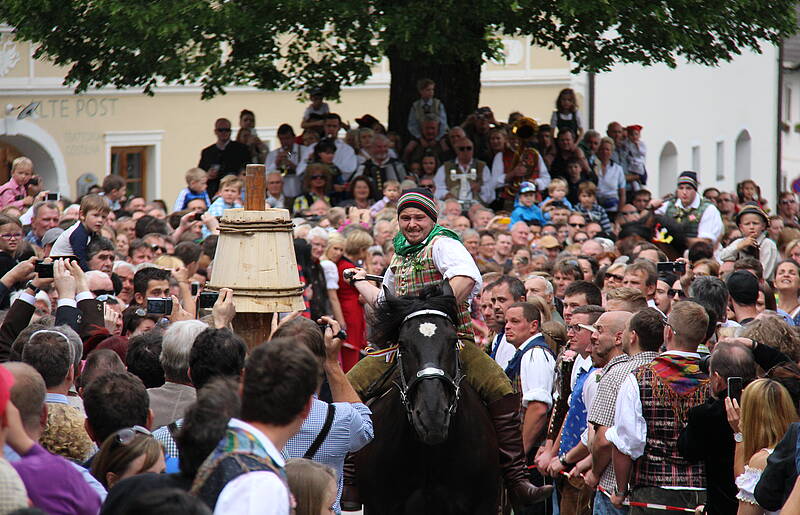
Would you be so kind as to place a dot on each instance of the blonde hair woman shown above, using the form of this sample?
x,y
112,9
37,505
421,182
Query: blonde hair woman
x,y
765,415
313,486
333,252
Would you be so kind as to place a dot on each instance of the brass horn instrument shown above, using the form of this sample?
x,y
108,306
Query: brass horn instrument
x,y
525,129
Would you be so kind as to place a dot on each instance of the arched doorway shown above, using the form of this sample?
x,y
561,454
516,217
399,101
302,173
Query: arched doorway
x,y
28,139
742,163
667,168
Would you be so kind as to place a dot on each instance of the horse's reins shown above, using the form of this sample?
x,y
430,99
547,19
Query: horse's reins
x,y
428,372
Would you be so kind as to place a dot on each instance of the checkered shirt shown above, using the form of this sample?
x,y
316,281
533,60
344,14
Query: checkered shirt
x,y
163,435
604,405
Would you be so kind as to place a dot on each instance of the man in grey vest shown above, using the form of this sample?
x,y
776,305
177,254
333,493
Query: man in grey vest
x,y
699,217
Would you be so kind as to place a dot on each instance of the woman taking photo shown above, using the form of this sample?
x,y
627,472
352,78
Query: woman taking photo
x,y
787,284
766,412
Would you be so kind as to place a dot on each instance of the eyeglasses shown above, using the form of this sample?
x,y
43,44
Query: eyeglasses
x,y
430,187
223,130
548,233
126,436
102,293
616,277
673,291
314,177
11,236
580,240
464,149
577,327
788,201
670,326
578,226
156,248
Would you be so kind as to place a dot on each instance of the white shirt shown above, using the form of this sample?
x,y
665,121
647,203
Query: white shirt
x,y
629,432
505,352
710,226
331,274
611,181
499,173
291,182
581,363
536,374
261,492
487,194
452,259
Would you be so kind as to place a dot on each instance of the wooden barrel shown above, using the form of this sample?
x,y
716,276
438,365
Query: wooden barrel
x,y
255,257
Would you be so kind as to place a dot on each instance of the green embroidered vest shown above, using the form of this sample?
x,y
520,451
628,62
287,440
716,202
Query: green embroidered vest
x,y
688,218
413,273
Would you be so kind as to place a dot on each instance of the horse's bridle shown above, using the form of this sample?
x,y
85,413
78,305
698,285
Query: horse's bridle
x,y
428,372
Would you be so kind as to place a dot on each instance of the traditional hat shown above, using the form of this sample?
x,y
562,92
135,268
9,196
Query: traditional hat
x,y
752,208
689,178
421,199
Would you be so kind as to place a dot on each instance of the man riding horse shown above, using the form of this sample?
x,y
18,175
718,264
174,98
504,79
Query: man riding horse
x,y
425,254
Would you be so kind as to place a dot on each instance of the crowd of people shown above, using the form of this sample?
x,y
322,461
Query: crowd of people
x,y
632,351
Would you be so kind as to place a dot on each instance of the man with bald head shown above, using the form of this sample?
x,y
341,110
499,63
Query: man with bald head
x,y
520,234
223,157
641,339
652,407
592,248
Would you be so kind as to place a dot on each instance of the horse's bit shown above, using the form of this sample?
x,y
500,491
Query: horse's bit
x,y
428,372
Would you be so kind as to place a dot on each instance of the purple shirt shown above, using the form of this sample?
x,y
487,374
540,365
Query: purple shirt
x,y
54,485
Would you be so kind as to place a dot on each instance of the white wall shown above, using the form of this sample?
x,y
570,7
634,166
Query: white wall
x,y
791,115
695,107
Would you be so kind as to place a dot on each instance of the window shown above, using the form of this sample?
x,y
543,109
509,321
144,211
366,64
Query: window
x,y
720,160
696,158
131,164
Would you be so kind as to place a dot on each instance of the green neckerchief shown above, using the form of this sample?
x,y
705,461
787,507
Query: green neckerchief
x,y
403,248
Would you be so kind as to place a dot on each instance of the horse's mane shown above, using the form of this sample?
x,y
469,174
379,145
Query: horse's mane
x,y
391,311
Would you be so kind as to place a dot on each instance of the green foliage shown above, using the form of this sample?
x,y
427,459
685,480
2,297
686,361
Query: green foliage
x,y
325,44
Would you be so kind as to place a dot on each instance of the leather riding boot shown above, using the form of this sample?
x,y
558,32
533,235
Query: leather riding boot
x,y
506,419
351,500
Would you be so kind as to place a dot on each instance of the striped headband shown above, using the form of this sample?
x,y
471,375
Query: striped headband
x,y
421,199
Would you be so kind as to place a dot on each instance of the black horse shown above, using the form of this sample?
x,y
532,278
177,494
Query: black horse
x,y
435,450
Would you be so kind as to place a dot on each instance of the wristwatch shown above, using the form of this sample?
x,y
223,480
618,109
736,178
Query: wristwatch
x,y
30,286
738,437
563,459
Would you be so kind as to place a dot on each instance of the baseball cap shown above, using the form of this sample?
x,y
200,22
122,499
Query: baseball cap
x,y
527,187
51,235
743,287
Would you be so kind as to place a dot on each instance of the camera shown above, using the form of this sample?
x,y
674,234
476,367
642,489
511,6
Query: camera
x,y
43,270
207,299
34,181
195,288
159,306
676,267
198,217
53,196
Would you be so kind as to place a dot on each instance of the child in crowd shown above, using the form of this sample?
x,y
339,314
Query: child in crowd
x,y
313,486
566,115
10,237
197,183
588,206
752,222
526,209
749,191
557,192
426,104
114,191
230,188
391,192
75,240
314,115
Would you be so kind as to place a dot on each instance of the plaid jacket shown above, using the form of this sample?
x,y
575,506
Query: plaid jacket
x,y
605,400
666,413
413,273
596,214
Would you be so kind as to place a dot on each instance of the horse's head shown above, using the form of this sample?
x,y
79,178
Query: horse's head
x,y
424,328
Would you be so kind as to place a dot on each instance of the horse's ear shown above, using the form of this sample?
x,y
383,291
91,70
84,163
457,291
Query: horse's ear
x,y
387,295
447,289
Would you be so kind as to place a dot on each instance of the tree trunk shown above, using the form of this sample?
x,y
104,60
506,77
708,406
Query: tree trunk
x,y
458,85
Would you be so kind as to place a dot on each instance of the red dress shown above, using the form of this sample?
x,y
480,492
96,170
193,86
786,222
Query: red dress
x,y
353,312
